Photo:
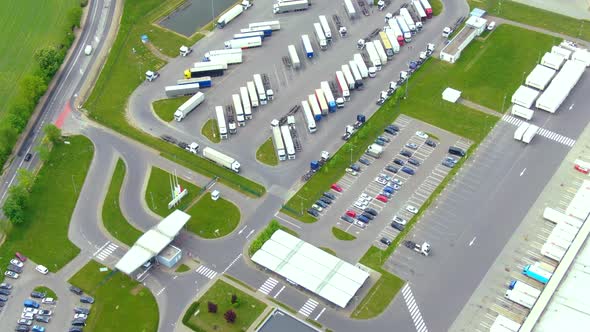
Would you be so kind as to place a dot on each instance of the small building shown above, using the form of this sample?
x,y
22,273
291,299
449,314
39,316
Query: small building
x,y
477,12
451,95
525,96
540,77
170,256
473,28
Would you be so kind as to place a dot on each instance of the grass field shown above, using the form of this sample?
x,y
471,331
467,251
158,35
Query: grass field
x,y
342,235
158,192
164,108
220,293
52,201
121,304
266,153
437,7
379,296
48,291
535,17
124,71
112,217
209,215
27,26
211,131
182,268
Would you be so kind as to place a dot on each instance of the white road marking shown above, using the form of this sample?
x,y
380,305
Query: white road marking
x,y
241,230
268,286
321,312
160,292
472,241
308,307
524,170
252,231
279,292
571,106
232,263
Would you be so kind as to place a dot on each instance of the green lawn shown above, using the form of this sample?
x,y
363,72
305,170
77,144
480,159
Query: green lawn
x,y
121,304
266,153
209,216
182,268
112,217
158,192
124,71
211,131
342,235
165,108
52,201
27,26
48,291
534,16
379,296
220,293
437,7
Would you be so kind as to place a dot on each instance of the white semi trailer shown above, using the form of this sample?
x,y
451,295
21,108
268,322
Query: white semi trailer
x,y
188,106
221,159
220,115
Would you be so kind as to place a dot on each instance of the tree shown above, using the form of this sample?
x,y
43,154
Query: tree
x,y
234,298
14,206
26,178
52,133
49,61
212,307
43,151
230,316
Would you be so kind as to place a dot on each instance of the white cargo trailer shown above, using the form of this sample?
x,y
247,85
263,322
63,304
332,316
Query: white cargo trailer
x,y
246,103
380,50
350,10
391,36
252,93
315,107
358,78
188,106
540,77
504,324
419,10
309,118
243,43
583,56
274,25
560,86
561,218
319,94
229,15
552,251
524,288
325,27
221,159
319,33
567,54
403,25
307,46
397,32
250,34
360,64
523,112
342,85
520,130
528,135
373,55
329,96
294,57
239,110
408,18
289,6
260,89
289,146
348,76
229,56
181,90
278,142
524,300
221,122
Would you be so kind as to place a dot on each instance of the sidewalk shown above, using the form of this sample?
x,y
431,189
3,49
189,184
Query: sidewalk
x,y
479,107
500,20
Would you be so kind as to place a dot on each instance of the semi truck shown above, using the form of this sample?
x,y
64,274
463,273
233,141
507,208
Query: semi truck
x,y
243,43
427,8
358,78
419,10
408,19
319,94
239,110
246,103
539,271
360,64
520,130
504,324
350,10
319,33
342,85
349,77
229,56
181,90
309,118
524,288
294,57
381,50
289,6
266,30
185,50
407,33
373,55
229,15
397,32
221,122
274,25
221,159
289,146
523,112
307,46
393,39
329,96
388,48
151,75
315,107
252,94
251,34
560,218
260,89
326,27
204,82
211,68
278,142
188,106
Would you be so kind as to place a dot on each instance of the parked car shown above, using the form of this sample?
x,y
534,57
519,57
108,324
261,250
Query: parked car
x,y
28,156
352,172
393,127
336,187
399,161
16,262
11,274
31,304
456,151
45,312
78,322
388,189
329,195
411,209
42,269
399,220
43,319
81,310
5,285
364,161
368,216
381,198
431,143
22,328
491,26
317,207
326,200
75,290
385,241
313,212
414,161
383,138
422,134
75,329
408,170
359,224
48,300
380,142
5,291
27,315
20,257
405,153
321,204
355,167
412,146
14,268
38,328
362,218
390,131
23,321
350,213
386,194
371,211
3,298
82,316
397,181
348,219
397,226
582,169
391,168
33,311
87,299
37,295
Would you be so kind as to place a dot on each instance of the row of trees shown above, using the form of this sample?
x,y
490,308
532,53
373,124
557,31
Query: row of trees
x,y
33,86
230,315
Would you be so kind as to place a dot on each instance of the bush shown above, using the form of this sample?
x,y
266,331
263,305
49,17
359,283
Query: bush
x,y
74,17
83,3
212,307
188,314
49,60
230,316
264,236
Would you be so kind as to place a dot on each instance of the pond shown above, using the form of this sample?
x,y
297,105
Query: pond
x,y
194,14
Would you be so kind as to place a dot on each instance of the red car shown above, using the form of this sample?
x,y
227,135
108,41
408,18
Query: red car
x,y
351,213
20,257
336,187
582,169
381,198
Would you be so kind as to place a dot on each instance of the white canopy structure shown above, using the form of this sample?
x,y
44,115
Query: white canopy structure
x,y
525,96
540,77
552,60
451,95
310,267
580,204
561,86
151,243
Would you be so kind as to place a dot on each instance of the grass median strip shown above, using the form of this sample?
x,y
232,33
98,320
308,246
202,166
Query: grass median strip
x,y
112,217
121,304
342,235
165,108
48,292
51,204
159,192
211,131
266,153
212,219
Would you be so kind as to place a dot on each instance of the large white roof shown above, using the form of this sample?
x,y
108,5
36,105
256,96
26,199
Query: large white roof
x,y
580,205
173,223
525,96
310,267
540,77
133,259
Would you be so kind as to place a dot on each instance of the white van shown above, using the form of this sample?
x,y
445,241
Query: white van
x,y
215,194
88,49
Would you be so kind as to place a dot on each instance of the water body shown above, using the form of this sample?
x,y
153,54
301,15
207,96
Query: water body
x,y
194,14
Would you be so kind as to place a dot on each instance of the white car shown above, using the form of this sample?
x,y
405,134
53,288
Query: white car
x,y
48,300
317,207
16,262
88,49
351,172
360,224
492,25
446,32
397,181
399,220
42,269
411,209
27,315
83,316
31,310
23,321
422,134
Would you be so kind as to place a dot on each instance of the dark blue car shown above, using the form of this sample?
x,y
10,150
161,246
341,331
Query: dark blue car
x,y
408,170
362,218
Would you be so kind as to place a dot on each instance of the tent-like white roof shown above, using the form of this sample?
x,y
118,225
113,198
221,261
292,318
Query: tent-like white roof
x,y
451,95
525,96
310,267
580,205
552,60
152,242
540,77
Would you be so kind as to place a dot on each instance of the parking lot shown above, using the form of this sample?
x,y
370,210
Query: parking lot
x,y
360,191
